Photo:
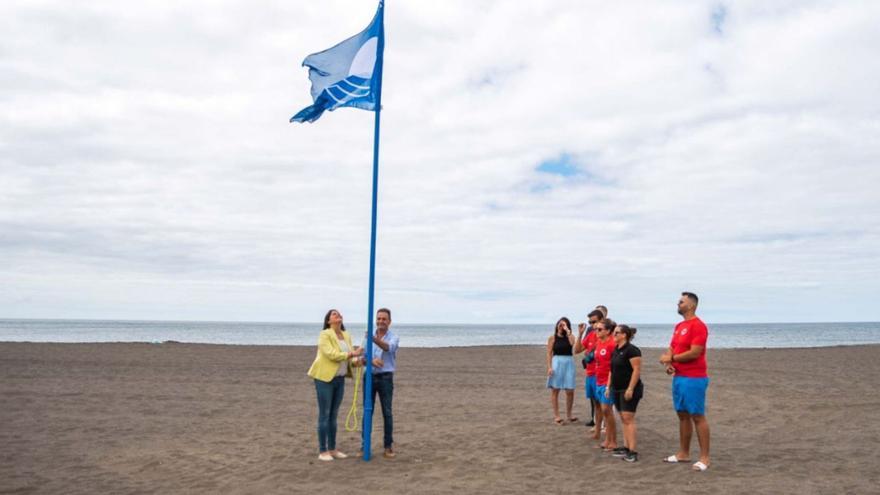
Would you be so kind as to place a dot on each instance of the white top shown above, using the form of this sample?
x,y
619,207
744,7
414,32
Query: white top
x,y
343,367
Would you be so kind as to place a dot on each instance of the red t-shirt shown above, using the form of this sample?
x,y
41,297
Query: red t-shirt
x,y
589,343
603,360
689,333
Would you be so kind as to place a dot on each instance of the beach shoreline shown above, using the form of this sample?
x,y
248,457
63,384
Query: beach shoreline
x,y
723,336
477,346
174,417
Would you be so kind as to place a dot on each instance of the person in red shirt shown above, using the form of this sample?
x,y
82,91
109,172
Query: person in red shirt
x,y
587,344
686,359
605,346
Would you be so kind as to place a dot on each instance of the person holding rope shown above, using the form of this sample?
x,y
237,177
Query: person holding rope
x,y
385,344
329,370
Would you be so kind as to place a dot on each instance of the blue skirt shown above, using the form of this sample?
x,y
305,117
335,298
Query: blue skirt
x,y
563,373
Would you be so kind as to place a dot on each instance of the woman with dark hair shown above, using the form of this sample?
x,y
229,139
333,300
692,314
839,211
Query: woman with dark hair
x,y
329,370
626,388
560,368
604,349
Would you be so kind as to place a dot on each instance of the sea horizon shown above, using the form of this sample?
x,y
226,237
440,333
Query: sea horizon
x,y
431,335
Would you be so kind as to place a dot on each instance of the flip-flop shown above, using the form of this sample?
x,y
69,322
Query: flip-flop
x,y
572,420
559,421
699,466
674,460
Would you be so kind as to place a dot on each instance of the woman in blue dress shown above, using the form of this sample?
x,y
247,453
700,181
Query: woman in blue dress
x,y
560,368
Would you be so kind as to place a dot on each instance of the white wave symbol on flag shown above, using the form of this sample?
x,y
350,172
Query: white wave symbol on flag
x,y
349,89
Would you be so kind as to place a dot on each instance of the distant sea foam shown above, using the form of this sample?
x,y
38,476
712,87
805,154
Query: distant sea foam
x,y
728,335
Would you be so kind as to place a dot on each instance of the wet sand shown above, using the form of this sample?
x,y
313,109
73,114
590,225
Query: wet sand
x,y
187,418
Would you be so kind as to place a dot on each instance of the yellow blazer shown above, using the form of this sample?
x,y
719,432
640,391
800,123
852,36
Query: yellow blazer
x,y
330,356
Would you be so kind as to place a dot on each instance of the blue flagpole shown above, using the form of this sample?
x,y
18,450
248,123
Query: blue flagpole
x,y
368,378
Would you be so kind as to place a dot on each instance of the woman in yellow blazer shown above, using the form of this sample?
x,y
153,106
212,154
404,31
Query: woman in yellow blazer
x,y
329,370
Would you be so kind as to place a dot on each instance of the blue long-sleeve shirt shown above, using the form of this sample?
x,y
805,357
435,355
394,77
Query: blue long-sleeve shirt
x,y
389,357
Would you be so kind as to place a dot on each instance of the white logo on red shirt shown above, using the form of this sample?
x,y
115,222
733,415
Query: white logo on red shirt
x,y
603,352
684,331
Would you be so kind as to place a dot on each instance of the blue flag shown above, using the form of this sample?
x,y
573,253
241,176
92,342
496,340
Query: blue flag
x,y
347,75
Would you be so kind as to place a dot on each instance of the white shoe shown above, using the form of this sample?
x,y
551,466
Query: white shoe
x,y
325,457
339,455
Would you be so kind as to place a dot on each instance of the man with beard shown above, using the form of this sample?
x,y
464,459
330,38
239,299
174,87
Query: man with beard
x,y
686,359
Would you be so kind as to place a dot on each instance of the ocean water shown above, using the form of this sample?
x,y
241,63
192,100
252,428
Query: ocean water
x,y
728,335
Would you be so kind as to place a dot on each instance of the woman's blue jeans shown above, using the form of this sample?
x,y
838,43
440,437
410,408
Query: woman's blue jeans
x,y
329,398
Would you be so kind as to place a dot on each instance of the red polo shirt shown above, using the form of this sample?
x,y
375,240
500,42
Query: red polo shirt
x,y
689,333
603,360
589,343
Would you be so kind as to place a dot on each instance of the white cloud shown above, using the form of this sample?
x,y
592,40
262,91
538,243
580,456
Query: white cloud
x,y
148,170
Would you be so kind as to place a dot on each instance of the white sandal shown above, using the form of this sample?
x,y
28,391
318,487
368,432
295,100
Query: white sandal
x,y
699,466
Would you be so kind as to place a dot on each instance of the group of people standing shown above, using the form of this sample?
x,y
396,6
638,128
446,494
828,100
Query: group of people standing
x,y
612,368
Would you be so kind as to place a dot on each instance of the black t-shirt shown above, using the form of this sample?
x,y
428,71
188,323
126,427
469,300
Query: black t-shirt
x,y
621,368
561,346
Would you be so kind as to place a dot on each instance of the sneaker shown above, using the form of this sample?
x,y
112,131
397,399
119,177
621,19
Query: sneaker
x,y
631,456
338,455
620,452
389,454
325,457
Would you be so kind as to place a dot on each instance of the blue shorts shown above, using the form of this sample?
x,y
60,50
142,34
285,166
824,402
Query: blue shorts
x,y
600,395
689,394
590,387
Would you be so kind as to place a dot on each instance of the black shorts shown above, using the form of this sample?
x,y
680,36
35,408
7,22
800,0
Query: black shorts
x,y
623,405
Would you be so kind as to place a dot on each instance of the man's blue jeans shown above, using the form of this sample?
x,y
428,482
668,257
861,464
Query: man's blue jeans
x,y
329,398
383,386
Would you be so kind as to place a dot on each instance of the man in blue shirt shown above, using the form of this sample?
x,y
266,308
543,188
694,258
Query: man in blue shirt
x,y
385,343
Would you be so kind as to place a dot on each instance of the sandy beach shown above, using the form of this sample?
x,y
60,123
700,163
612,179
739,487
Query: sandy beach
x,y
186,418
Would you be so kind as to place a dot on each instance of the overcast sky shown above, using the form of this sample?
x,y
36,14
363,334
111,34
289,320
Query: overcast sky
x,y
537,159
